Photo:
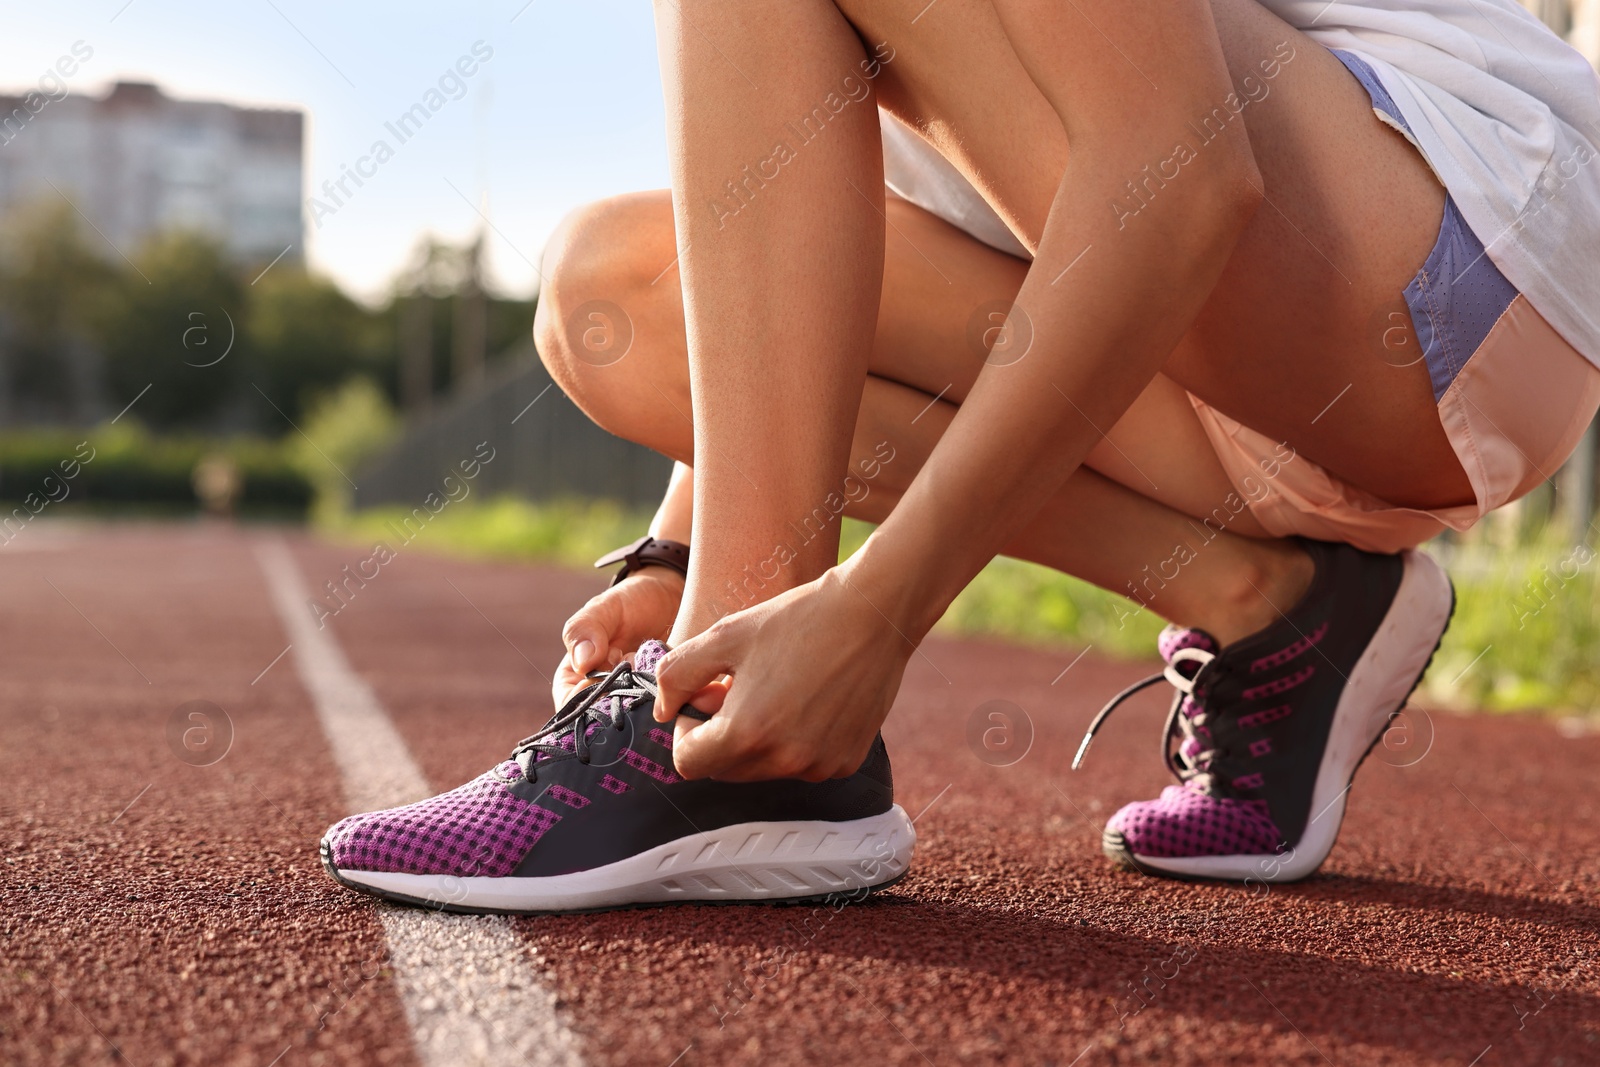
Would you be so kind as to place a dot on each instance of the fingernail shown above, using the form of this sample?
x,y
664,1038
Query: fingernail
x,y
582,653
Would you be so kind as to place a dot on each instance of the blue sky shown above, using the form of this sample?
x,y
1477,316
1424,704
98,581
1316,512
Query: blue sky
x,y
567,110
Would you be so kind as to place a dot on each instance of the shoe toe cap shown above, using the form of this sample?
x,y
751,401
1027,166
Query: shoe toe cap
x,y
480,829
1187,823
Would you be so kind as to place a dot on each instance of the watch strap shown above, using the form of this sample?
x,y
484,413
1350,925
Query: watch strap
x,y
647,551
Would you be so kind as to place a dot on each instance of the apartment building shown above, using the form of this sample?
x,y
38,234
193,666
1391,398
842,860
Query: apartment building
x,y
136,161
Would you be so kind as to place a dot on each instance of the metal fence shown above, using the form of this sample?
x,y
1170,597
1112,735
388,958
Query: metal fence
x,y
544,447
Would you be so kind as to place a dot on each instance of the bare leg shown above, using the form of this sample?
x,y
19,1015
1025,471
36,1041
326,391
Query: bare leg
x,y
777,379
1097,528
1352,212
1278,338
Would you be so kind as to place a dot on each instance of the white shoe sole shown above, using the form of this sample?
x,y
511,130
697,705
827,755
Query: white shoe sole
x,y
1378,687
753,861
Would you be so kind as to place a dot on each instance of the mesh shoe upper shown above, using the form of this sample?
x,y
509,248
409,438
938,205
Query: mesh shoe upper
x,y
480,828
1188,822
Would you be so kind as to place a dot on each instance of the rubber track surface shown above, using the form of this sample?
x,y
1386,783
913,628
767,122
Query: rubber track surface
x,y
154,912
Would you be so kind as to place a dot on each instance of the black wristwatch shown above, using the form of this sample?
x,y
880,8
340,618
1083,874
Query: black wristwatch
x,y
646,552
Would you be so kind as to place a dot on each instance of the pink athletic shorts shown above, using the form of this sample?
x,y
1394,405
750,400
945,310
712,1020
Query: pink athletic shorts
x,y
1513,395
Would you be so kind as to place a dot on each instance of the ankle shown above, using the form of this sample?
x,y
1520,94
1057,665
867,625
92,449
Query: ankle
x,y
1265,583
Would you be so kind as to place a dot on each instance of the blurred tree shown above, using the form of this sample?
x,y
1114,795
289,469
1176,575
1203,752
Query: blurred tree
x,y
430,275
175,324
302,336
447,322
83,331
51,281
343,427
470,320
510,326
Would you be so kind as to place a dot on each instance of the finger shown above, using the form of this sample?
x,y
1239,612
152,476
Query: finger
x,y
565,682
696,663
682,727
706,749
709,700
587,634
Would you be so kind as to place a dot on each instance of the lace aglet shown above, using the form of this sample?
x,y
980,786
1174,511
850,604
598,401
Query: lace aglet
x,y
1083,747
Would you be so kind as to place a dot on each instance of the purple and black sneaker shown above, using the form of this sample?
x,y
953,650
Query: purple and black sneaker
x,y
588,814
1271,729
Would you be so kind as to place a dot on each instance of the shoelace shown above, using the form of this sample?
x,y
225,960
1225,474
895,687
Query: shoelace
x,y
1196,766
586,708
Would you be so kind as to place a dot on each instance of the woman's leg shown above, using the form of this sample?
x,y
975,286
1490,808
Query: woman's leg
x,y
1119,529
1270,337
1295,322
776,380
1283,339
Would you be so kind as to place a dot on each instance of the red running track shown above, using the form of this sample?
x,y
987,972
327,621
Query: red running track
x,y
166,913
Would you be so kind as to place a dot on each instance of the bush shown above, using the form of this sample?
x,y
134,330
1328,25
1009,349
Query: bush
x,y
1526,628
342,428
122,466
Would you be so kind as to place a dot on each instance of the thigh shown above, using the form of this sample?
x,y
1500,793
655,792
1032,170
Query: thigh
x,y
1290,342
943,294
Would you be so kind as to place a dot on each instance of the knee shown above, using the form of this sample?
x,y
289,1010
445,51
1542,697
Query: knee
x,y
596,292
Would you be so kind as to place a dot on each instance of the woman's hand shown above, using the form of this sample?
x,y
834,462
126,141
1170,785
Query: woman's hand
x,y
814,672
615,623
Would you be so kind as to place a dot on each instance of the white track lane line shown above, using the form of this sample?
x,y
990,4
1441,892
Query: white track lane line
x,y
469,984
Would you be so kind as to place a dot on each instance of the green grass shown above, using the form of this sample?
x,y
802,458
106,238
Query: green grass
x,y
1526,632
573,533
1035,605
1527,627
